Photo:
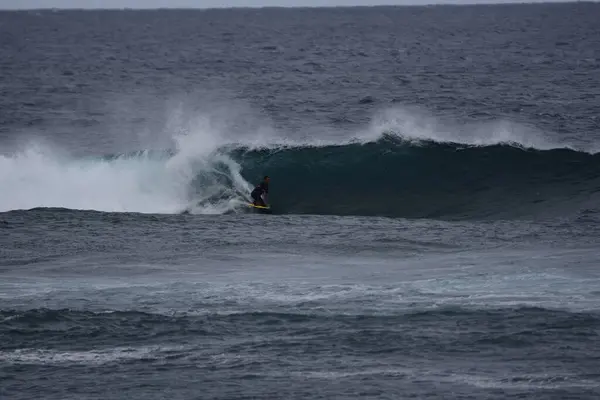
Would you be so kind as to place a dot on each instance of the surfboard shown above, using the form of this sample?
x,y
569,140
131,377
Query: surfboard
x,y
260,208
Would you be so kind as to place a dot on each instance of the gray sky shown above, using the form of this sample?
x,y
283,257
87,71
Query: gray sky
x,y
25,4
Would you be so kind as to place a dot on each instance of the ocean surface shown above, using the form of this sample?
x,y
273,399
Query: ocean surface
x,y
435,188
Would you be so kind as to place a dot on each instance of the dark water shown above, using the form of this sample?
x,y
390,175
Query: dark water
x,y
435,183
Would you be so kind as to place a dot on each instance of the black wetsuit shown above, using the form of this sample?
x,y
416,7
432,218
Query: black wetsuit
x,y
256,194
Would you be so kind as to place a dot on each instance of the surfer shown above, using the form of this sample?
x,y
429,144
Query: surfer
x,y
260,192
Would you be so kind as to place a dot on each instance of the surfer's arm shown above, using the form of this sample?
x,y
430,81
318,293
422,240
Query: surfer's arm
x,y
265,192
265,188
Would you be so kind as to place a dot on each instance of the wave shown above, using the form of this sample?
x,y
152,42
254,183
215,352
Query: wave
x,y
40,319
427,179
251,342
403,165
52,324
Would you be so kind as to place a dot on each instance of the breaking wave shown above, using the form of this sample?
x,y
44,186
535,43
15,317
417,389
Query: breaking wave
x,y
400,167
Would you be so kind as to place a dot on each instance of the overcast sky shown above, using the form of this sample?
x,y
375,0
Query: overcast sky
x,y
24,4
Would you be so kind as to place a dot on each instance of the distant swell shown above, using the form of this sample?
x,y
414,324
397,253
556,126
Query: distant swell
x,y
47,328
205,321
426,179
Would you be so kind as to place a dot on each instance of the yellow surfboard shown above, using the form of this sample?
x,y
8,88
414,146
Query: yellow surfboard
x,y
261,207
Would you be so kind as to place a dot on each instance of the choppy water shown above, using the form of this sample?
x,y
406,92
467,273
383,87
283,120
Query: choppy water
x,y
434,187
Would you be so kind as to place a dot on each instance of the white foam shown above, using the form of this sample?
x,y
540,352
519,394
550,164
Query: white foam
x,y
95,357
523,382
38,176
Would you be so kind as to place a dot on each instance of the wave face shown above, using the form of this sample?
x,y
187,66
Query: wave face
x,y
398,178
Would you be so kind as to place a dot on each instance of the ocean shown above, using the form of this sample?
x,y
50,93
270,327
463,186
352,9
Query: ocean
x,y
435,179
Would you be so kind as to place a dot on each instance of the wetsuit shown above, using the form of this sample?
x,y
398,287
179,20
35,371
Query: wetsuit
x,y
257,193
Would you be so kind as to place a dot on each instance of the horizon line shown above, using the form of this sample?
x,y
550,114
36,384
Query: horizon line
x,y
455,3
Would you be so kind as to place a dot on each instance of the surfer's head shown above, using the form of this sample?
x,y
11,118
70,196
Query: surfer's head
x,y
266,178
